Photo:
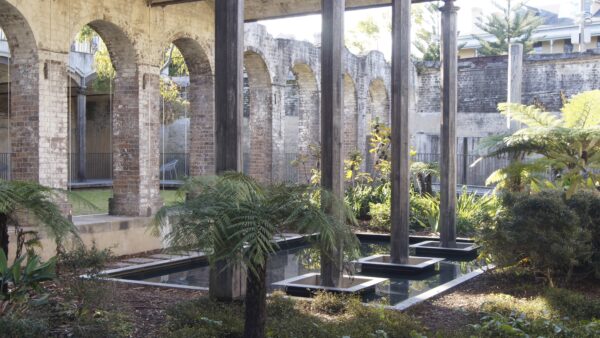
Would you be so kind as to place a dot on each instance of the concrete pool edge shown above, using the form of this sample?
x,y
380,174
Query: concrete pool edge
x,y
406,304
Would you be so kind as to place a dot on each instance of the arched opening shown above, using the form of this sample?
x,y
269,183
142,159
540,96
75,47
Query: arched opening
x,y
309,122
200,95
259,112
19,100
113,116
378,110
350,129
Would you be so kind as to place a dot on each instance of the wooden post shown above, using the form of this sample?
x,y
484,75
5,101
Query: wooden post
x,y
400,176
465,161
332,92
228,282
449,55
229,39
515,79
81,133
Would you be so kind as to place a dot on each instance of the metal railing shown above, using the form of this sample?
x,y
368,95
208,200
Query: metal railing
x,y
465,173
5,166
290,172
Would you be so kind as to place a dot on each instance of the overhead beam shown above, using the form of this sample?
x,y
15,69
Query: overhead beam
x,y
257,9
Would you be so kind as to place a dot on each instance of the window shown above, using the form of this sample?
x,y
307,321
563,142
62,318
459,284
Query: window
x,y
568,46
538,47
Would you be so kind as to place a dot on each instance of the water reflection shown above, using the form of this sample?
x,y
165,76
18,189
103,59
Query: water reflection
x,y
297,261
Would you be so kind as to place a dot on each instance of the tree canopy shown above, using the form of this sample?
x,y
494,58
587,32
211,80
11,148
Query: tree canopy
x,y
514,23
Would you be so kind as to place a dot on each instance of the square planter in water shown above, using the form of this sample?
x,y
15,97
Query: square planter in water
x,y
433,248
308,284
382,264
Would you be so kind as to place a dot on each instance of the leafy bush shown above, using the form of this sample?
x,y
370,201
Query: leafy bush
x,y
572,304
331,304
18,281
519,325
548,232
13,327
81,258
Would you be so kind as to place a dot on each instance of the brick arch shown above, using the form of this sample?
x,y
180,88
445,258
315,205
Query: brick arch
x,y
350,128
135,122
260,100
309,105
25,101
202,110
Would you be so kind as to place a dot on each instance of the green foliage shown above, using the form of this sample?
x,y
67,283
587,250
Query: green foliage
x,y
14,327
80,259
545,231
519,325
176,62
231,214
105,71
18,198
568,145
288,318
17,282
514,25
428,37
332,304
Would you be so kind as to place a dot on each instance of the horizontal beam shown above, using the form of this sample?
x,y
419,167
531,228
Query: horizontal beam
x,y
277,13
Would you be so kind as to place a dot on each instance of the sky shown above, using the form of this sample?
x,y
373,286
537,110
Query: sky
x,y
307,27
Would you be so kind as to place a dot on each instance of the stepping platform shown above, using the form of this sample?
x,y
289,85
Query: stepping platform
x,y
382,264
434,248
308,284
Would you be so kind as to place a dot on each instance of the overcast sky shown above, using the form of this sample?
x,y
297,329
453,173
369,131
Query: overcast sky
x,y
305,28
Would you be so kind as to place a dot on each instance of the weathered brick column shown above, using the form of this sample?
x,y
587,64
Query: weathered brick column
x,y
136,142
39,119
350,128
202,124
278,133
260,132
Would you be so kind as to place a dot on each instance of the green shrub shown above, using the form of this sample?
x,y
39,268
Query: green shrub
x,y
380,216
542,230
520,325
291,319
567,303
13,327
82,259
331,304
17,282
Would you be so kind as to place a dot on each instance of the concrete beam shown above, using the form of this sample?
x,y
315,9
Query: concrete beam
x,y
261,9
448,128
400,176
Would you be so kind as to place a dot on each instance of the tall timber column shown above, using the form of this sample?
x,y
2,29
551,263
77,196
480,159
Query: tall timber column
x,y
332,92
401,47
449,55
228,282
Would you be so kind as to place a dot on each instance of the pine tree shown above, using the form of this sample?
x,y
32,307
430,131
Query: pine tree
x,y
514,25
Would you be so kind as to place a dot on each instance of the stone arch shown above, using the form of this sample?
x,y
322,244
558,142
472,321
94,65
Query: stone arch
x,y
202,110
350,128
309,122
24,138
260,101
135,122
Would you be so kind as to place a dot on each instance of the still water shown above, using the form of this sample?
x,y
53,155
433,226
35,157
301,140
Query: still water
x,y
304,259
